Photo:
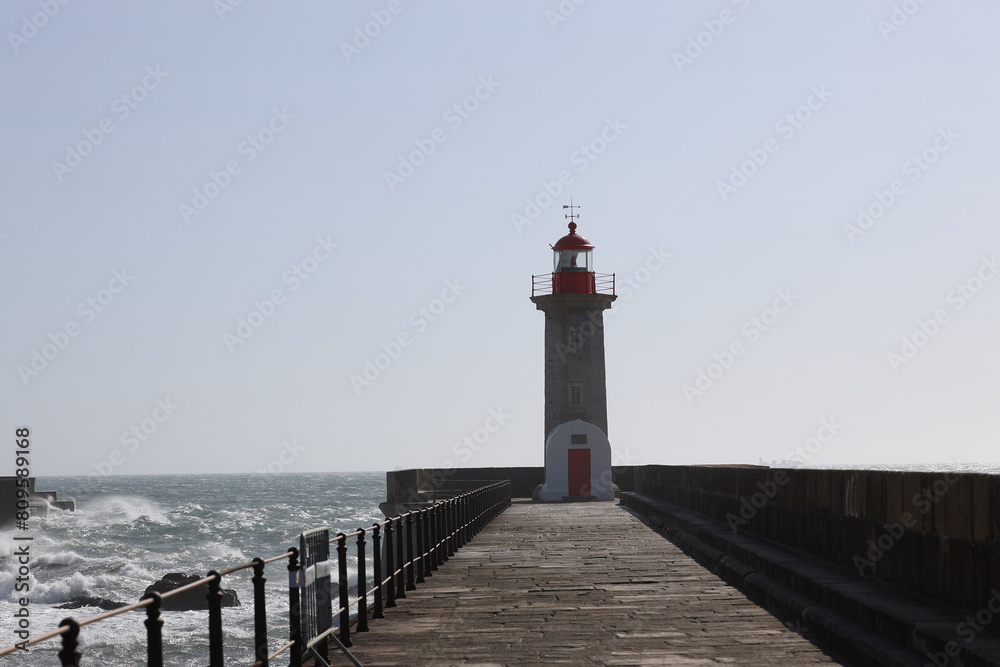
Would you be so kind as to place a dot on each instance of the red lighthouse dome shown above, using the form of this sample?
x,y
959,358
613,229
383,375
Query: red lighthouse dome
x,y
573,241
573,267
573,264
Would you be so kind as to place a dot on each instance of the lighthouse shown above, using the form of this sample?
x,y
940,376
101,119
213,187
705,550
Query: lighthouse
x,y
574,297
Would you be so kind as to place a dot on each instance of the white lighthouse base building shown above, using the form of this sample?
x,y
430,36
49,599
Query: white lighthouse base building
x,y
577,464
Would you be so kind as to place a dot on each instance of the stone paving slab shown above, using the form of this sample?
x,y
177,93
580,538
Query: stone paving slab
x,y
577,584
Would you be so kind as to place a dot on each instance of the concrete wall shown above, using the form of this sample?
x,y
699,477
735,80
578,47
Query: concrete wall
x,y
416,486
936,533
40,501
400,484
557,448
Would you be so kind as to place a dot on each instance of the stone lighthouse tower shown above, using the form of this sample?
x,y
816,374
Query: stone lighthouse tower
x,y
574,298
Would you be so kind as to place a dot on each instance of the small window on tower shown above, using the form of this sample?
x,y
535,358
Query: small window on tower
x,y
578,438
575,338
576,394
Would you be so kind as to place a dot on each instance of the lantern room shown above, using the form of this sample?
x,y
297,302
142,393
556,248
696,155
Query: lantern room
x,y
573,264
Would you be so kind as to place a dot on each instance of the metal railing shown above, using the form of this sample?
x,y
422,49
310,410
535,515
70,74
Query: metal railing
x,y
604,283
413,545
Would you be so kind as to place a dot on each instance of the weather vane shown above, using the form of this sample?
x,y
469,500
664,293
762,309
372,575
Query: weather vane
x,y
572,215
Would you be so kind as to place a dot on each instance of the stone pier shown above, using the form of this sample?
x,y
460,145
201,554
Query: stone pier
x,y
579,584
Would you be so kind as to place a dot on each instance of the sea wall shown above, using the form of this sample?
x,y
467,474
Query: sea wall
x,y
935,533
39,501
412,487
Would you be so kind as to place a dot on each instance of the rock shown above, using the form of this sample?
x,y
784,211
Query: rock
x,y
191,600
87,601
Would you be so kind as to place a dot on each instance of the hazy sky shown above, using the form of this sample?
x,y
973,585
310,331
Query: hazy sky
x,y
216,213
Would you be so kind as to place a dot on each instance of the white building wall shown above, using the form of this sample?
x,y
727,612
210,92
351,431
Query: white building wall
x,y
557,447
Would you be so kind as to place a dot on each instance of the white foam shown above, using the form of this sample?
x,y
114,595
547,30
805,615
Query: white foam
x,y
224,551
61,558
6,544
122,509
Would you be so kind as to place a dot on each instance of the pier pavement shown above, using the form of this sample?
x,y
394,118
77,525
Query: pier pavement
x,y
578,584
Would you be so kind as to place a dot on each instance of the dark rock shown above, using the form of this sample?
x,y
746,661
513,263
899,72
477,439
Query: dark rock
x,y
190,600
87,601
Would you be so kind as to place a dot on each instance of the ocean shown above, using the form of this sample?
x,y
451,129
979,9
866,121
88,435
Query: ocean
x,y
129,531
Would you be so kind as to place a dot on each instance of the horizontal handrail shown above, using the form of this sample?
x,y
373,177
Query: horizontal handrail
x,y
418,540
544,284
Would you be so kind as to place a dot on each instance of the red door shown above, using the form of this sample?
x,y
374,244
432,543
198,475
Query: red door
x,y
579,472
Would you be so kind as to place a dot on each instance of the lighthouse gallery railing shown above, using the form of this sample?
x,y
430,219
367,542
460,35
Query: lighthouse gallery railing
x,y
542,284
414,544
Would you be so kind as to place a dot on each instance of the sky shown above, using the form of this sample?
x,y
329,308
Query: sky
x,y
288,237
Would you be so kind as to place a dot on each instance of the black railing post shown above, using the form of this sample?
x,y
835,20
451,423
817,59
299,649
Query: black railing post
x,y
474,524
474,513
463,531
216,657
377,567
154,631
70,653
477,498
472,516
294,609
463,520
401,557
390,567
435,537
345,596
362,584
477,511
418,559
428,558
450,527
259,613
410,584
